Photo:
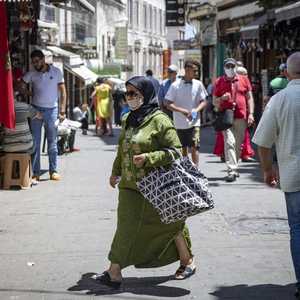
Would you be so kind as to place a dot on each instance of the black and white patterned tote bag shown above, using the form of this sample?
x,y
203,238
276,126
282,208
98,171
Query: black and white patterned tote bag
x,y
177,191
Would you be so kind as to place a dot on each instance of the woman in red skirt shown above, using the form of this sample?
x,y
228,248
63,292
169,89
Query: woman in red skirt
x,y
247,151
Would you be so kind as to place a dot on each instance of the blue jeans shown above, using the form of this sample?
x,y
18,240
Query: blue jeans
x,y
49,118
293,211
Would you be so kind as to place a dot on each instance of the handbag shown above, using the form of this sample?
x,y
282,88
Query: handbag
x,y
224,120
178,191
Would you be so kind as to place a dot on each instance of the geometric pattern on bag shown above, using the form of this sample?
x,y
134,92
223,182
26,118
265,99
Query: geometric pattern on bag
x,y
178,191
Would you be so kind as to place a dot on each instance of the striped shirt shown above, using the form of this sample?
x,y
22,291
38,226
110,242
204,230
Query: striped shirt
x,y
280,125
20,138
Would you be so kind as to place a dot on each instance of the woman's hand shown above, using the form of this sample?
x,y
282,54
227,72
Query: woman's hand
x,y
139,160
113,180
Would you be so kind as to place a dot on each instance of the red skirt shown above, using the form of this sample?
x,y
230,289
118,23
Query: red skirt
x,y
246,149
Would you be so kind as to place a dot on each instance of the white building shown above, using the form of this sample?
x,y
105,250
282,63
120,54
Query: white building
x,y
110,14
177,56
146,36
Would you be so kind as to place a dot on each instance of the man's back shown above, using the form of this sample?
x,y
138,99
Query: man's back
x,y
281,123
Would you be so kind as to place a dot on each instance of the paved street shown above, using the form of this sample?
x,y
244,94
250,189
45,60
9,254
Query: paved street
x,y
55,235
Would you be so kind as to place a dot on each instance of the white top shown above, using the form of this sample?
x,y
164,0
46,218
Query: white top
x,y
45,86
188,96
280,124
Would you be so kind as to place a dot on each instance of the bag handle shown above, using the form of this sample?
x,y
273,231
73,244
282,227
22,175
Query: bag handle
x,y
169,150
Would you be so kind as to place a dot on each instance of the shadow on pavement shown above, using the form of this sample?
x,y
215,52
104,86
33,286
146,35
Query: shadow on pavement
x,y
255,292
149,286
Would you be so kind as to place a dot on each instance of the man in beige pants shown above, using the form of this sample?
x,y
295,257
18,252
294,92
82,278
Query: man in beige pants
x,y
233,91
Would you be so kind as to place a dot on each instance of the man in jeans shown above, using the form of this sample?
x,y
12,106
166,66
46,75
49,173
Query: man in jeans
x,y
233,91
48,84
280,125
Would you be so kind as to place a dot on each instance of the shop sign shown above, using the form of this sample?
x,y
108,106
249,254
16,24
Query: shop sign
x,y
90,41
175,13
121,40
209,32
186,44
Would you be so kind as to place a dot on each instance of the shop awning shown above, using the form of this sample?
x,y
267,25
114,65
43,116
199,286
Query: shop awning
x,y
43,24
251,30
84,73
68,57
74,64
87,5
288,12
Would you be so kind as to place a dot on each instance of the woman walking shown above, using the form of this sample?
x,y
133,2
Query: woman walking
x,y
103,107
141,239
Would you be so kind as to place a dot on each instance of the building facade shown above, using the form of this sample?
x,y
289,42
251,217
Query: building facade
x,y
146,36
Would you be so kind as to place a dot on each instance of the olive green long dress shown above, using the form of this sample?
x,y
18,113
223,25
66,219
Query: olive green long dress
x,y
141,239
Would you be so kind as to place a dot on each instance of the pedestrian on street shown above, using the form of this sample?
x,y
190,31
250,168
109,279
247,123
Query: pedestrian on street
x,y
233,91
247,151
187,98
103,106
278,83
49,98
164,87
155,82
280,125
141,239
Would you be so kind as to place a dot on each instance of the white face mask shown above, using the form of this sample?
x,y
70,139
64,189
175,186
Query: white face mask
x,y
135,103
230,72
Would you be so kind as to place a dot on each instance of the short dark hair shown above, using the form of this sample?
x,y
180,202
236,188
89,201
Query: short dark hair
x,y
149,73
37,53
100,80
190,64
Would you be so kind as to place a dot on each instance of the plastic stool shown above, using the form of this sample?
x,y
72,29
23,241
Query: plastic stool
x,y
17,170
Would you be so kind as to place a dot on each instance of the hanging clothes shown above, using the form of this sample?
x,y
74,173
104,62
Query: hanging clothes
x,y
7,112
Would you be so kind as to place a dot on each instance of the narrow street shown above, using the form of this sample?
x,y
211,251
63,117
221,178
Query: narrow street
x,y
55,235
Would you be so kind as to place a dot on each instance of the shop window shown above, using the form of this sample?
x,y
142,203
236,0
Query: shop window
x,y
80,33
47,12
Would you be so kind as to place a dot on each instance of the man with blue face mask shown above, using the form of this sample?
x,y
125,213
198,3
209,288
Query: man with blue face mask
x,y
234,91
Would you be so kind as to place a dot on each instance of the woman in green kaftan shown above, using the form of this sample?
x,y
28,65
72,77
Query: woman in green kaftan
x,y
141,239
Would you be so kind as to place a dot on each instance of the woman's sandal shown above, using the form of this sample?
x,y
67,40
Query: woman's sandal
x,y
184,272
105,278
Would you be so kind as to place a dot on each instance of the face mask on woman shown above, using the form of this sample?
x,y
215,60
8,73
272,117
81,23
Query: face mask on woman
x,y
230,72
135,102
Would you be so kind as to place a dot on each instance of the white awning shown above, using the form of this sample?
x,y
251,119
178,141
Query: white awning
x,y
288,12
84,73
87,5
43,24
251,30
68,57
239,11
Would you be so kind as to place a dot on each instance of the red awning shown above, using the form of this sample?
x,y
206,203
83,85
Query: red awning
x,y
7,112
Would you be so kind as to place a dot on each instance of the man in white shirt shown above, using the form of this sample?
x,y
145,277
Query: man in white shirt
x,y
186,98
280,125
48,86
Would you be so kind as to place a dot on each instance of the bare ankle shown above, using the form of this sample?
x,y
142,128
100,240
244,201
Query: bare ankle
x,y
186,261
